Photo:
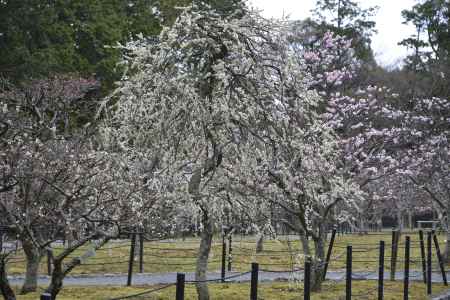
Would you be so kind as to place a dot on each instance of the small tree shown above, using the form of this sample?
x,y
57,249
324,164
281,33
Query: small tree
x,y
36,119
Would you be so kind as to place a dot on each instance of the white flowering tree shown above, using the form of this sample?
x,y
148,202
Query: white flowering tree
x,y
295,164
222,108
55,183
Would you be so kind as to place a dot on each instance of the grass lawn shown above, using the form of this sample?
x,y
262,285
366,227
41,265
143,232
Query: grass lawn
x,y
180,256
268,291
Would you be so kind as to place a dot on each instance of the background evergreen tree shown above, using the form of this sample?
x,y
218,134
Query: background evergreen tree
x,y
39,38
430,61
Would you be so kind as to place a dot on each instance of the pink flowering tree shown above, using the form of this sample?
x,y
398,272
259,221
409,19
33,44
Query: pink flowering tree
x,y
331,61
381,140
428,160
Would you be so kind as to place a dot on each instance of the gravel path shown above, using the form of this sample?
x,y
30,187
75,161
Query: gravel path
x,y
166,278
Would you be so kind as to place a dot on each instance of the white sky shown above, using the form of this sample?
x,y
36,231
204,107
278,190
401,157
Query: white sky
x,y
389,22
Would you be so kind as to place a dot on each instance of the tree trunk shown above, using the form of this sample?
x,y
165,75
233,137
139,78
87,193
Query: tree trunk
x,y
7,291
410,220
400,220
57,279
447,243
318,263
317,266
362,225
69,238
202,260
305,245
260,242
447,247
33,256
60,271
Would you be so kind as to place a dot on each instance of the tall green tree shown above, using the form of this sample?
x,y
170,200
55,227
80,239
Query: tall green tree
x,y
43,37
430,60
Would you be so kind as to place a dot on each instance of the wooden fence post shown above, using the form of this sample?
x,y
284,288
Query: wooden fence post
x,y
131,261
348,279
429,265
254,282
180,286
49,262
141,252
224,255
381,272
307,280
406,276
230,251
422,254
330,250
440,259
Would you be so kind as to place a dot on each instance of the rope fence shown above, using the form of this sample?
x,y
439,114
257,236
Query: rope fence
x,y
282,261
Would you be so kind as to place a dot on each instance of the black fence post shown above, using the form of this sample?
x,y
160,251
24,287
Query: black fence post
x,y
49,262
422,254
330,250
180,286
254,282
46,296
429,265
131,261
224,255
230,251
394,252
348,279
141,252
381,272
307,280
406,276
441,261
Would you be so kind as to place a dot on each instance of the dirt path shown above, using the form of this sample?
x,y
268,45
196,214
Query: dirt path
x,y
166,278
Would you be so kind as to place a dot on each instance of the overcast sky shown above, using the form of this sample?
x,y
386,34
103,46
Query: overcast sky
x,y
389,22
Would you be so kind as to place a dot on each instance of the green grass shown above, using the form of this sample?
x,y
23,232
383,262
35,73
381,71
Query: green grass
x,y
180,256
269,291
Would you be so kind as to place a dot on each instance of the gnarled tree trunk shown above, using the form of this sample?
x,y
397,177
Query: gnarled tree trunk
x,y
57,279
260,242
33,256
305,244
5,288
400,220
60,271
202,259
318,263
